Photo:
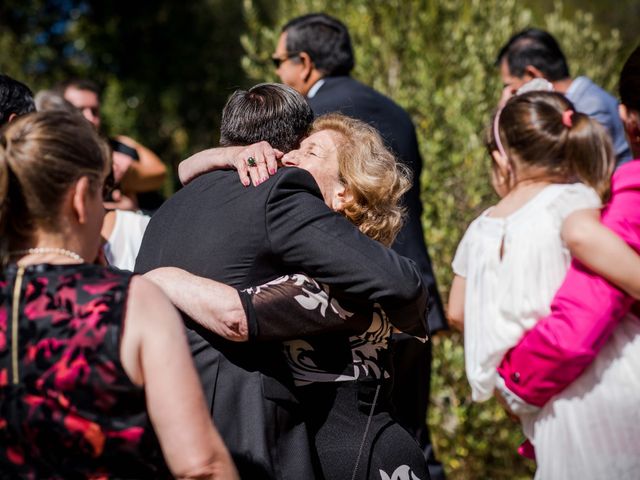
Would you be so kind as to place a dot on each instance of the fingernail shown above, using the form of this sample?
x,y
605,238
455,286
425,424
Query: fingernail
x,y
246,183
272,171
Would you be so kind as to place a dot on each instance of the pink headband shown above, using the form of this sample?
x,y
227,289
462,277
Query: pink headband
x,y
496,133
566,118
537,84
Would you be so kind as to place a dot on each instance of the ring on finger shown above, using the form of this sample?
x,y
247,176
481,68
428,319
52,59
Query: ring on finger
x,y
251,162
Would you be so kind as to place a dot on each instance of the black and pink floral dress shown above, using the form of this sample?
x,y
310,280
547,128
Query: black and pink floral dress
x,y
67,407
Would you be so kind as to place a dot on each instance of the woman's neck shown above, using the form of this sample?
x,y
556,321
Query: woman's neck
x,y
55,249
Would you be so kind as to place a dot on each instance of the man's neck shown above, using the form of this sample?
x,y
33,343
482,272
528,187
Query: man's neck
x,y
563,85
314,77
314,88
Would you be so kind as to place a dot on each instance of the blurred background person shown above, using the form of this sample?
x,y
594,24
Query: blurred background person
x,y
137,170
15,99
534,53
122,230
48,100
80,394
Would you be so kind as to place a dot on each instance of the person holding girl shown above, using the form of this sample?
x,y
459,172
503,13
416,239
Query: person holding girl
x,y
551,164
85,391
583,358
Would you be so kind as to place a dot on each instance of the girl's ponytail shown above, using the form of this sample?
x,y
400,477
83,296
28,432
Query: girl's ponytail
x,y
543,130
588,150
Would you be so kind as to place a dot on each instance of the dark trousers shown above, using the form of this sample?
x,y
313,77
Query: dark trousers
x,y
411,367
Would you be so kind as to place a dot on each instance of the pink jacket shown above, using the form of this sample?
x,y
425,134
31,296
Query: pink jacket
x,y
584,312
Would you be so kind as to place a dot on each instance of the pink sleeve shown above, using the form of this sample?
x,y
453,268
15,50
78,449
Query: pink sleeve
x,y
584,312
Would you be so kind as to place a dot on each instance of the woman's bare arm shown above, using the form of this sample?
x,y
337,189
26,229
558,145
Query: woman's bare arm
x,y
265,158
602,250
155,354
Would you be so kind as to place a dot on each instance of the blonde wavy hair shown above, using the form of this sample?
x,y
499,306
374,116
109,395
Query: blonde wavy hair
x,y
371,173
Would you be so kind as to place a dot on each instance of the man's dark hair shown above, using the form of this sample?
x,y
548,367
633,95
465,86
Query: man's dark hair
x,y
325,39
78,84
537,48
630,81
271,112
15,97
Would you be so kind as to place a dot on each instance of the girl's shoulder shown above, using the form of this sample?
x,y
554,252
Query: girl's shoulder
x,y
570,197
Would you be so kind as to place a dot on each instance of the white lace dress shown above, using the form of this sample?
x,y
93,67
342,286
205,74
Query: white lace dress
x,y
589,430
506,296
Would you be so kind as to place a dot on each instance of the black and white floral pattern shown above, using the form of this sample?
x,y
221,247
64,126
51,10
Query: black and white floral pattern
x,y
335,357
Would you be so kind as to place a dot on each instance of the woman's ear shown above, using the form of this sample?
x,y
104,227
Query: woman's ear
x,y
341,196
80,196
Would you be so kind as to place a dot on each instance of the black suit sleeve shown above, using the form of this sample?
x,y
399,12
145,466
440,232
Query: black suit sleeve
x,y
305,234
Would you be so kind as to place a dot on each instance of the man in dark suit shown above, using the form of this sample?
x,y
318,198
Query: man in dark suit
x,y
217,228
314,56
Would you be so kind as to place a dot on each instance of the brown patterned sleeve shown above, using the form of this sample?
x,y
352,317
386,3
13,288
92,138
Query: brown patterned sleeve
x,y
297,306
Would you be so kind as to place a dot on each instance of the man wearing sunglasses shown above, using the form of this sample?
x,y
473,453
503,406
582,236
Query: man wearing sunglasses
x,y
314,55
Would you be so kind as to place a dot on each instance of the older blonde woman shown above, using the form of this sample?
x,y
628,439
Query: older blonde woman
x,y
339,358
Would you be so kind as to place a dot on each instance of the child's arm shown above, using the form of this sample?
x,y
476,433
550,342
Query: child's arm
x,y
455,309
602,250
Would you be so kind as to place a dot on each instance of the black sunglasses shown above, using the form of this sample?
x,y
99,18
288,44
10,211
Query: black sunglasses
x,y
277,61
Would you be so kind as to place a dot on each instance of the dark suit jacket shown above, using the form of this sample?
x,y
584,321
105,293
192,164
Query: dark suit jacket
x,y
245,236
352,98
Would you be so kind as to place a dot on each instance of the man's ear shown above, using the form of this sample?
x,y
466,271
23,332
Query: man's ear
x,y
307,65
12,117
341,196
79,197
531,72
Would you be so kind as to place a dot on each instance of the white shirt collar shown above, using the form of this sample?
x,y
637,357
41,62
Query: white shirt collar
x,y
314,89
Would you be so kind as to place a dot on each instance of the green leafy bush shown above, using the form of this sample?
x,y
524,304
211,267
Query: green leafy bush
x,y
435,58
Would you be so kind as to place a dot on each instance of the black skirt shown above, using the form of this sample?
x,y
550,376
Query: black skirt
x,y
355,436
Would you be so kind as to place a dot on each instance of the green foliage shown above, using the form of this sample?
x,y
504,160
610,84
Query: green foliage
x,y
435,58
166,67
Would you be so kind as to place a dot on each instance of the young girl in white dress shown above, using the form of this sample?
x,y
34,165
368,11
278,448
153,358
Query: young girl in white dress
x,y
549,163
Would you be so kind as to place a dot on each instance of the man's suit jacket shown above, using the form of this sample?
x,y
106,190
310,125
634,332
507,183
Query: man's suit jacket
x,y
350,97
244,236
